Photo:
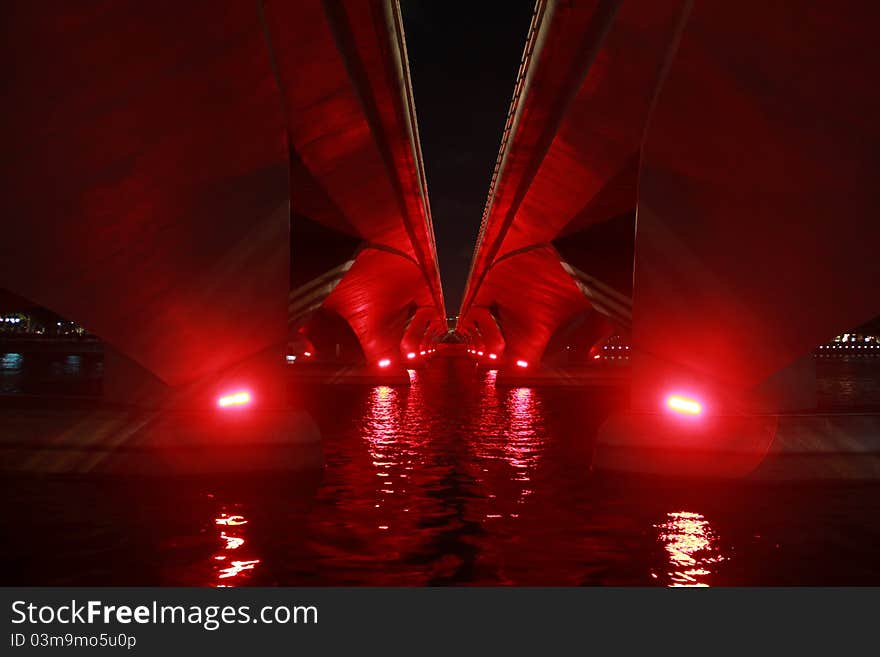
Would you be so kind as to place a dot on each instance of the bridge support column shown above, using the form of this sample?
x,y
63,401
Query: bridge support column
x,y
153,429
262,377
771,432
790,389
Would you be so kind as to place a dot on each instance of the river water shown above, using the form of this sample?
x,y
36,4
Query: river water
x,y
452,481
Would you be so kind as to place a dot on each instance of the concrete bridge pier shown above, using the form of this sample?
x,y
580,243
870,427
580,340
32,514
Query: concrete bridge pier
x,y
751,247
683,423
144,427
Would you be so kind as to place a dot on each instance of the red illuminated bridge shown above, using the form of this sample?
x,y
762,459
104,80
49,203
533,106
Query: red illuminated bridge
x,y
157,195
697,179
694,177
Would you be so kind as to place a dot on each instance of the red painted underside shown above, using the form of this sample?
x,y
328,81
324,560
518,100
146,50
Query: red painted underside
x,y
147,185
562,168
534,296
371,298
757,179
353,127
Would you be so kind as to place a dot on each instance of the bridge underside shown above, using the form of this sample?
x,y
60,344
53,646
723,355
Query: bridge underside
x,y
698,175
357,173
154,163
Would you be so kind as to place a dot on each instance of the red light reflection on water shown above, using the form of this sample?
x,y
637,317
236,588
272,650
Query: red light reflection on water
x,y
692,549
396,429
432,463
511,431
231,560
382,433
232,542
524,441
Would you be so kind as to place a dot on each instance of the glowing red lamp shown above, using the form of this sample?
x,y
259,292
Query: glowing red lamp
x,y
385,362
411,355
683,405
307,354
493,356
479,353
522,363
234,399
421,353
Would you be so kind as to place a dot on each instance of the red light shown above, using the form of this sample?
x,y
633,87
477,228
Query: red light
x,y
684,405
307,354
241,398
597,356
522,363
411,355
479,353
493,356
385,362
421,353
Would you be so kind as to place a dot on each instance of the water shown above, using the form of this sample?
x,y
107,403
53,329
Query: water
x,y
50,373
452,481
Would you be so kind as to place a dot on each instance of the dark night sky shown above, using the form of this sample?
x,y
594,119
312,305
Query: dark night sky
x,y
463,60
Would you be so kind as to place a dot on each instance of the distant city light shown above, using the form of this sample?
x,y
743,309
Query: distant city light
x,y
479,353
291,358
421,353
241,398
684,405
411,355
522,363
307,354
385,362
493,356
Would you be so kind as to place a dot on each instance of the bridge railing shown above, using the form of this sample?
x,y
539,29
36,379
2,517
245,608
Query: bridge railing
x,y
537,15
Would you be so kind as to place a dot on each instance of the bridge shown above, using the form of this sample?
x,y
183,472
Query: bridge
x,y
204,191
664,178
692,177
210,193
